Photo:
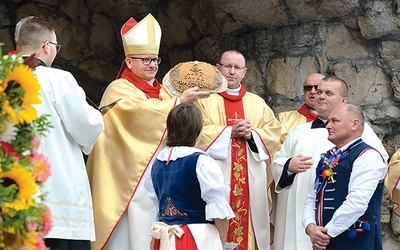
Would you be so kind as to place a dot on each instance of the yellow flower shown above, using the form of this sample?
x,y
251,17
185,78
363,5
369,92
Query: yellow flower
x,y
13,240
33,240
329,173
27,187
20,108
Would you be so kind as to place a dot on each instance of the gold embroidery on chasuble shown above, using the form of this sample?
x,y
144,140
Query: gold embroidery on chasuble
x,y
239,197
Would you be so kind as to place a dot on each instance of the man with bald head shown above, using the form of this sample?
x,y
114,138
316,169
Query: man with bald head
x,y
306,113
343,209
293,166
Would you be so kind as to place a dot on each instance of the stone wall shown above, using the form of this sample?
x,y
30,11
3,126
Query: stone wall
x,y
283,41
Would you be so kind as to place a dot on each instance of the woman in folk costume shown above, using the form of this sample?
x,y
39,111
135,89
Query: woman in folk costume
x,y
186,185
134,132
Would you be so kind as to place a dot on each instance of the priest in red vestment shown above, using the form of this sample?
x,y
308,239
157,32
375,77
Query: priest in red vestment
x,y
241,133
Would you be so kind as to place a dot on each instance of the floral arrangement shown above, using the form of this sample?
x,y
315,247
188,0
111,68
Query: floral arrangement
x,y
325,172
24,219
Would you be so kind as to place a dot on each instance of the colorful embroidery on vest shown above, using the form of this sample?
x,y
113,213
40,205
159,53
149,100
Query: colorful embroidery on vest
x,y
171,210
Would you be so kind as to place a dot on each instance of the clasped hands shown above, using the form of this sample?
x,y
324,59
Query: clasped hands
x,y
318,235
241,128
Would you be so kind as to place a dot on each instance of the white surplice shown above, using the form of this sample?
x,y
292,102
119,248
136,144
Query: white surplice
x,y
75,128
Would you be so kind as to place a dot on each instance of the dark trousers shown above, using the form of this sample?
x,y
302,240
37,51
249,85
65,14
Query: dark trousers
x,y
62,244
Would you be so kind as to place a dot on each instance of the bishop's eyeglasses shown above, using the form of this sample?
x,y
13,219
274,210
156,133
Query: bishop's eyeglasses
x,y
147,61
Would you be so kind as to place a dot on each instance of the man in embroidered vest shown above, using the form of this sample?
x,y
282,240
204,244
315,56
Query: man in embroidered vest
x,y
343,209
307,112
134,133
293,166
241,133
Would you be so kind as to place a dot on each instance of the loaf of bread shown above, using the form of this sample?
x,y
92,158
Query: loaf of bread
x,y
194,74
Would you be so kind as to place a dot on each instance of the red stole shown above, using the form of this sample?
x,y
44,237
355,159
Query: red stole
x,y
150,91
305,110
239,197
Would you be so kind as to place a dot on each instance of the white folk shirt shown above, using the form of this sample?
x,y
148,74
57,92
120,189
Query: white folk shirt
x,y
75,128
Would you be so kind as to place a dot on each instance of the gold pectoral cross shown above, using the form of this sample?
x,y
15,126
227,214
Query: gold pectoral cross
x,y
234,118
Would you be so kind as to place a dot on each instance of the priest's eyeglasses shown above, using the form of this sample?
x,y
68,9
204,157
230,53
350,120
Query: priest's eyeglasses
x,y
58,46
229,67
147,61
310,87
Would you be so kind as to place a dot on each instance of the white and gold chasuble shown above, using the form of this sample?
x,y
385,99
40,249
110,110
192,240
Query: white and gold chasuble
x,y
134,131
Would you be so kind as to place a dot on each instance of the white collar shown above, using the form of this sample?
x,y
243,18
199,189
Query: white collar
x,y
150,82
234,92
173,153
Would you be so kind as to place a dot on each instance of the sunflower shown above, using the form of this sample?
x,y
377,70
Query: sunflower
x,y
22,88
27,187
30,240
10,240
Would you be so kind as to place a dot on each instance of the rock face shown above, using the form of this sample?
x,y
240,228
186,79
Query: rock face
x,y
283,41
